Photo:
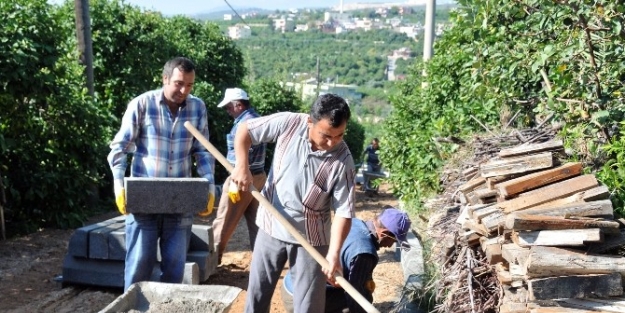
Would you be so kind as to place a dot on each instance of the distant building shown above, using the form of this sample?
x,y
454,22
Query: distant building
x,y
308,89
365,24
301,27
410,30
227,17
336,16
284,24
239,31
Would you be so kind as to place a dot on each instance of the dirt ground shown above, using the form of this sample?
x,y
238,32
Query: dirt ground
x,y
31,265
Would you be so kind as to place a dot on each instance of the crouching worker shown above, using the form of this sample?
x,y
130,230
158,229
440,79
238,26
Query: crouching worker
x,y
359,257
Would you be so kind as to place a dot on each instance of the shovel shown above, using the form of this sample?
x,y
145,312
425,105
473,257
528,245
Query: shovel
x,y
302,241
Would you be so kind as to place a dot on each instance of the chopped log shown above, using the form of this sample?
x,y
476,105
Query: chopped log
x,y
513,294
492,182
552,261
614,304
471,224
471,238
514,307
472,184
520,221
484,193
592,194
505,276
550,192
531,148
479,214
469,172
463,216
493,254
515,254
539,179
601,208
564,237
610,241
493,222
600,285
516,165
561,310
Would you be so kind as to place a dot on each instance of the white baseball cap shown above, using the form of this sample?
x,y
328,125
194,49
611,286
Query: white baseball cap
x,y
233,94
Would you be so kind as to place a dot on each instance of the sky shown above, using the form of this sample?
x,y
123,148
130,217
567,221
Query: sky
x,y
172,7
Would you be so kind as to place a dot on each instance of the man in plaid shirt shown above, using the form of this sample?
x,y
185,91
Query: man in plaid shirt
x,y
152,131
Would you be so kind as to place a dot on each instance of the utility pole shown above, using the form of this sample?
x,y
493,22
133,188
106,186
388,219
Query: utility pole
x,y
85,49
83,34
318,78
428,36
428,40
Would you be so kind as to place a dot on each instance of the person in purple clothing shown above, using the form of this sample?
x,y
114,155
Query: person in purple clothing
x,y
152,131
359,258
231,209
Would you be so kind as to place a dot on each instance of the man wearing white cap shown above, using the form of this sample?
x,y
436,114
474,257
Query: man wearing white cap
x,y
234,206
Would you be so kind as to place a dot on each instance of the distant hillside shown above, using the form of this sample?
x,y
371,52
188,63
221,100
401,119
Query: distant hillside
x,y
218,14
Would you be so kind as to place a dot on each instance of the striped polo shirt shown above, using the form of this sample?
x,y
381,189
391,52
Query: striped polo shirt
x,y
304,185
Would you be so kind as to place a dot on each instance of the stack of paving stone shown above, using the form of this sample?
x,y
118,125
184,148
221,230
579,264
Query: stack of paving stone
x,y
96,252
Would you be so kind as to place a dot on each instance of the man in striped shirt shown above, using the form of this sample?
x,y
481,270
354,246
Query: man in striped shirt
x,y
230,211
152,131
312,173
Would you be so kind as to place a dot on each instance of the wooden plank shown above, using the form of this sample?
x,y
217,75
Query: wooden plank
x,y
484,193
520,221
512,294
550,192
600,285
601,208
494,221
472,184
538,179
552,261
515,254
561,310
493,254
610,241
471,224
516,165
564,237
479,214
555,144
615,305
592,194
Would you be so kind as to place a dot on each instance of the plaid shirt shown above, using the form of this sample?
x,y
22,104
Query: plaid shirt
x,y
160,144
257,152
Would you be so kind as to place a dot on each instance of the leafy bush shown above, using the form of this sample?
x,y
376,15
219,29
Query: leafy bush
x,y
536,57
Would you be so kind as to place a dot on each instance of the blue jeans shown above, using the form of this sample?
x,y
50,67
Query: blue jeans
x,y
143,232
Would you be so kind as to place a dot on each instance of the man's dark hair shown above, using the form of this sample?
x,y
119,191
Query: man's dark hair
x,y
183,64
331,107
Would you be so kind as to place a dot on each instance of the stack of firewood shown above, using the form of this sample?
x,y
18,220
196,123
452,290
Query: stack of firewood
x,y
545,227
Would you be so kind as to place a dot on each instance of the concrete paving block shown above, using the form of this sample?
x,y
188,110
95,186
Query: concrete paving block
x,y
206,261
99,240
166,195
201,238
412,259
79,242
117,244
81,271
110,273
191,274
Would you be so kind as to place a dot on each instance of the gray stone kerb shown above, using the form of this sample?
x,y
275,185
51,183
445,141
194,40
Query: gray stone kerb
x,y
414,272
